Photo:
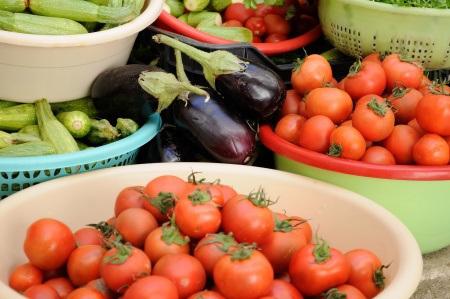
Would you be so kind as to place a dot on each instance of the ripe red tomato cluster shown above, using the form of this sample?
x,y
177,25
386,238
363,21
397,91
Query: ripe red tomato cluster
x,y
191,239
383,112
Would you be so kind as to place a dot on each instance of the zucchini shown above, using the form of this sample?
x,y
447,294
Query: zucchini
x,y
85,105
52,130
18,138
126,126
219,5
102,132
36,148
196,5
31,130
176,7
184,18
6,104
5,139
76,122
204,17
238,34
16,117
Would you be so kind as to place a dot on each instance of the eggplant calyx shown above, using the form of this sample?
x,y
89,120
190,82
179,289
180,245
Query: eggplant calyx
x,y
166,88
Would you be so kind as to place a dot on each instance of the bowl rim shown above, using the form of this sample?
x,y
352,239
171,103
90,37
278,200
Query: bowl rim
x,y
267,48
148,16
398,172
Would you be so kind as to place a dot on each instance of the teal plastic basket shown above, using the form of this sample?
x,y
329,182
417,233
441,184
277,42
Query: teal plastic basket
x,y
19,173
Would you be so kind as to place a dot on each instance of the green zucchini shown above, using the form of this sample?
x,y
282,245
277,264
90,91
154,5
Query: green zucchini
x,y
18,138
196,5
16,117
5,139
6,104
102,132
76,122
13,5
176,7
204,17
126,126
85,105
184,18
36,148
238,34
31,130
219,5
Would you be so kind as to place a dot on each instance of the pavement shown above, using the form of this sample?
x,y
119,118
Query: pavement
x,y
436,276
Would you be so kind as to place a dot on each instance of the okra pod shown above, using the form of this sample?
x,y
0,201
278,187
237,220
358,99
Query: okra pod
x,y
28,23
13,5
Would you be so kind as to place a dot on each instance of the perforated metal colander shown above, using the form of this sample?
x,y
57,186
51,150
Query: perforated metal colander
x,y
360,27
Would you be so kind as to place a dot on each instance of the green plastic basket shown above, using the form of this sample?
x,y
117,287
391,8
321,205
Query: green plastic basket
x,y
360,27
19,173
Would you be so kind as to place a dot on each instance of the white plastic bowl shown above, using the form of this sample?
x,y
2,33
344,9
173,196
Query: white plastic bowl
x,y
62,68
345,219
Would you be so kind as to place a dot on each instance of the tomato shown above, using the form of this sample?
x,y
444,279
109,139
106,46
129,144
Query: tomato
x,y
55,273
120,268
248,217
41,291
347,123
262,10
152,287
238,12
276,24
347,142
185,271
88,236
130,197
431,149
281,289
374,57
401,73
281,244
367,272
256,26
433,114
344,291
332,102
302,108
25,276
290,103
48,243
405,101
134,225
313,72
211,248
165,240
100,286
341,84
433,87
228,192
316,268
378,155
256,39
401,142
213,189
245,274
84,264
85,293
288,127
315,133
448,140
415,125
207,295
275,38
365,78
232,23
375,120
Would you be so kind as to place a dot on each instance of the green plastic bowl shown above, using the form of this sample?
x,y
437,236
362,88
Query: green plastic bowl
x,y
418,195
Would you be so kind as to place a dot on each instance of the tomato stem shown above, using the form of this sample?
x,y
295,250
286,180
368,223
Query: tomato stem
x,y
321,252
378,276
399,91
224,241
377,108
164,201
260,199
334,294
199,197
172,235
123,252
335,150
355,67
438,87
243,251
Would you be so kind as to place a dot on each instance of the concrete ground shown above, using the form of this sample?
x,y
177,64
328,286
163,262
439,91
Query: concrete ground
x,y
436,276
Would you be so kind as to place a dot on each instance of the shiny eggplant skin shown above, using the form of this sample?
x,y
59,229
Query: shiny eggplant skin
x,y
257,91
221,133
169,148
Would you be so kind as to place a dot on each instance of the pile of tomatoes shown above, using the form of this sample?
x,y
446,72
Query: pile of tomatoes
x,y
191,239
383,112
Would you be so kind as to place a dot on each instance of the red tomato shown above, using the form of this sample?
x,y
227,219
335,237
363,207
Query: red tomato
x,y
48,243
228,192
433,114
281,244
232,23
263,10
341,84
61,285
315,133
100,286
238,12
313,72
256,26
378,155
245,274
130,197
433,87
344,291
85,293
347,142
88,236
375,120
316,268
84,264
288,127
365,78
401,73
211,248
405,101
415,125
448,140
401,142
275,38
256,39
207,295
25,276
367,272
347,123
276,24
281,289
41,291
248,217
134,225
120,268
165,240
290,103
374,57
55,273
332,102
302,108
212,189
431,149
185,271
152,287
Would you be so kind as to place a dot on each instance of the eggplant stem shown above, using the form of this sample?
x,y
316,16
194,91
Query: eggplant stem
x,y
181,74
194,53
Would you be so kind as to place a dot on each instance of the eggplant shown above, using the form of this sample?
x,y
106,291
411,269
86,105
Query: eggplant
x,y
256,90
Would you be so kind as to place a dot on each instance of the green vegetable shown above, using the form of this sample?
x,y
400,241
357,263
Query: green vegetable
x,y
28,23
36,148
204,17
82,146
6,104
23,138
219,5
176,7
52,130
99,2
76,122
13,5
31,130
184,18
196,5
5,139
445,4
102,132
16,117
126,126
85,105
238,34
90,26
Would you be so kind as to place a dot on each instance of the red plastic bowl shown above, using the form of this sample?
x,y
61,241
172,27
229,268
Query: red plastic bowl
x,y
170,23
398,172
